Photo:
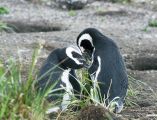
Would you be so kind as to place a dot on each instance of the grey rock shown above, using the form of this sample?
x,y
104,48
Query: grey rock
x,y
71,4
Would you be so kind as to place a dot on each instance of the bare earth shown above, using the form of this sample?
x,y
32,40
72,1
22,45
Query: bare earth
x,y
53,27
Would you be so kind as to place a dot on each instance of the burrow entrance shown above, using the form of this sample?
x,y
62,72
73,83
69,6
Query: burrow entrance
x,y
143,63
36,26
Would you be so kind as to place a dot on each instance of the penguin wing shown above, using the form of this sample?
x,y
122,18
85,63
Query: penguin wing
x,y
119,75
49,72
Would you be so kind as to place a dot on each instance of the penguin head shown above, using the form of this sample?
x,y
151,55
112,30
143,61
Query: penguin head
x,y
75,59
86,41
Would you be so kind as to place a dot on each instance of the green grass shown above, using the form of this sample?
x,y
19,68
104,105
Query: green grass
x,y
132,92
145,29
18,99
91,95
3,10
3,25
5,28
72,13
152,23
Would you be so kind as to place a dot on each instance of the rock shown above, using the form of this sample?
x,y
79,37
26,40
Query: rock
x,y
71,4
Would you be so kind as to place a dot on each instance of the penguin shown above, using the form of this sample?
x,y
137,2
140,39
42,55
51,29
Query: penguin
x,y
59,71
107,66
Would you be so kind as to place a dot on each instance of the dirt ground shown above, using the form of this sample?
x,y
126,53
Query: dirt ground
x,y
127,24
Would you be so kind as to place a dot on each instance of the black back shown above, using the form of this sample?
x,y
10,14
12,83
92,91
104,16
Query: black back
x,y
51,71
112,64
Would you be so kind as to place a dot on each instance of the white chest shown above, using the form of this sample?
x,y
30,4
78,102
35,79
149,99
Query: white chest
x,y
65,80
68,88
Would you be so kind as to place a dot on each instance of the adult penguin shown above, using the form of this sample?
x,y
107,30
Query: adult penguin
x,y
107,65
59,71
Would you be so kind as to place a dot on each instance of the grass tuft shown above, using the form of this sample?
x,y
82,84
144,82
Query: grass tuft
x,y
3,10
72,13
4,27
152,23
18,98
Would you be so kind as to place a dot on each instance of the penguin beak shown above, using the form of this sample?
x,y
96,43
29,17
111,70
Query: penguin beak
x,y
87,55
86,65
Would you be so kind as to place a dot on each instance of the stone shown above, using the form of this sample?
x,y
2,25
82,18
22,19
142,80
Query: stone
x,y
71,4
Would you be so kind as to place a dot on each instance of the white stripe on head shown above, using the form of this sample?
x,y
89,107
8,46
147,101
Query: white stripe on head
x,y
69,51
85,36
76,49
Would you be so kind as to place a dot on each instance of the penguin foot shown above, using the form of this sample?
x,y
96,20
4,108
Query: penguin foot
x,y
118,108
115,105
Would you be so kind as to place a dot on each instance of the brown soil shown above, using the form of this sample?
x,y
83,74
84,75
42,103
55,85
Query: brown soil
x,y
96,113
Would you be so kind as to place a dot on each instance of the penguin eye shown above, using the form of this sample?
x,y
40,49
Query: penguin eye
x,y
86,44
75,55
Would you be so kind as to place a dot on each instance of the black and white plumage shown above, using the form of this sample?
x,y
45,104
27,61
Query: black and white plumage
x,y
59,69
107,66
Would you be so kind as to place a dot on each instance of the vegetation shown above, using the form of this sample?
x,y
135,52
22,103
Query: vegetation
x,y
4,27
19,100
132,92
3,10
72,13
152,23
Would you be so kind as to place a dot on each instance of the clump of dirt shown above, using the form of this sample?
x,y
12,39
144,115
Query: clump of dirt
x,y
93,112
